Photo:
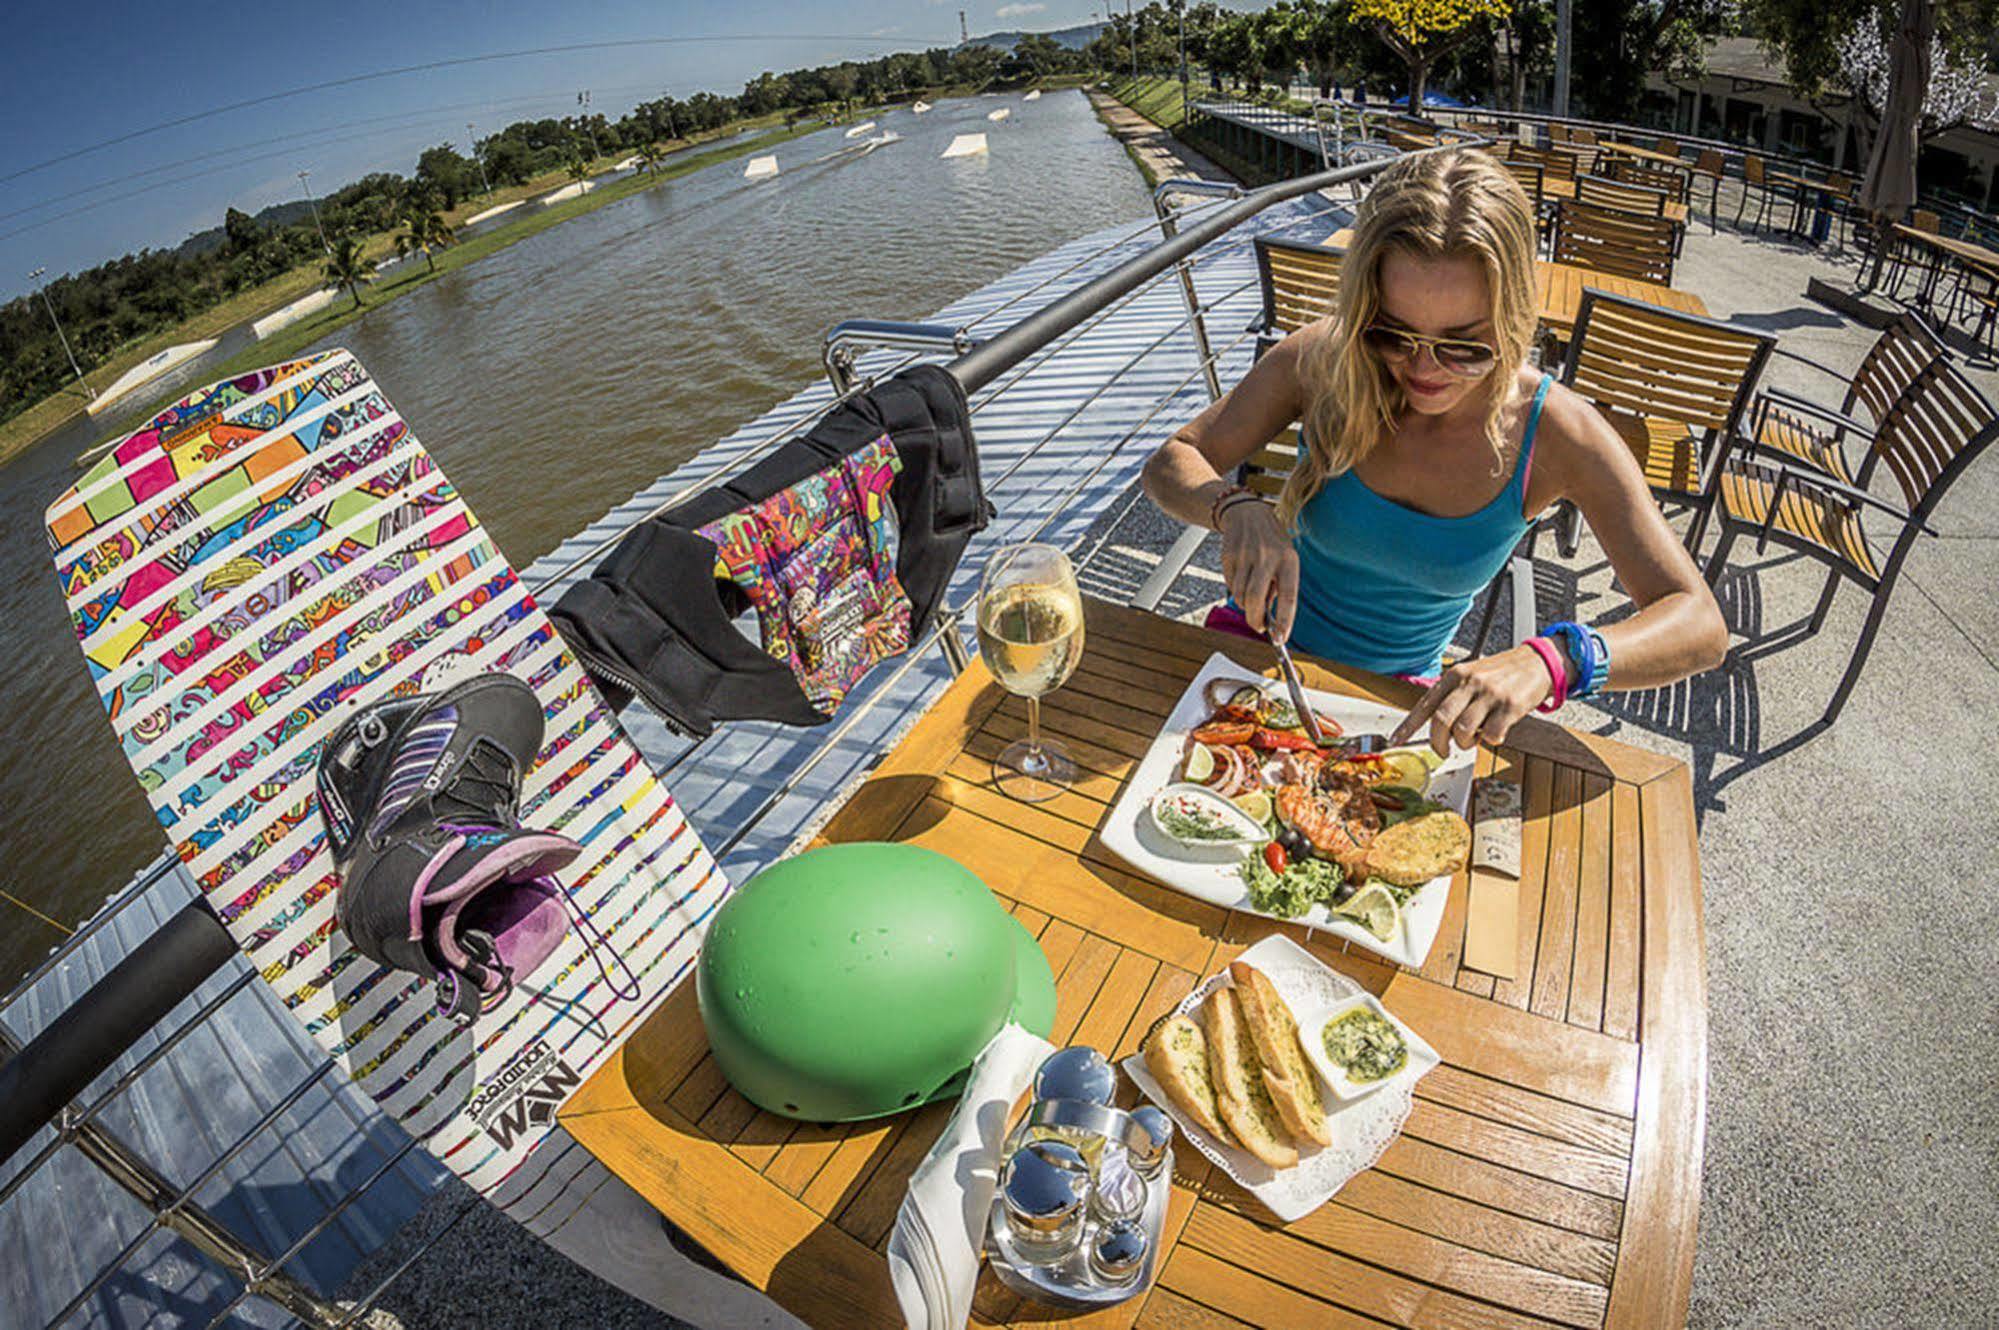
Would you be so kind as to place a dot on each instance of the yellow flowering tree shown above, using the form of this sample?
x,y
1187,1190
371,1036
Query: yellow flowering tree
x,y
1422,32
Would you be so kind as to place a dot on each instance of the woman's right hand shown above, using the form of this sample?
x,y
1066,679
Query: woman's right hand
x,y
1260,567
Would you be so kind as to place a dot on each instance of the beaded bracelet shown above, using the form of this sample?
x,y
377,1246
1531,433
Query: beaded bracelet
x,y
1558,672
1229,493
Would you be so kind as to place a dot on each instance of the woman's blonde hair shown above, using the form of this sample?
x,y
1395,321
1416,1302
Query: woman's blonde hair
x,y
1433,205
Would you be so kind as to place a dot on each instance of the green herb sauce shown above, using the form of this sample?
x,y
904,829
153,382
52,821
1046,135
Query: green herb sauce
x,y
1365,1046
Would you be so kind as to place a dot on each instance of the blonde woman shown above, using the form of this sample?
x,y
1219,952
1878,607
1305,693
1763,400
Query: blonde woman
x,y
1430,446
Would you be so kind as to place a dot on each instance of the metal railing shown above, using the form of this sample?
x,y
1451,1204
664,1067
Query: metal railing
x,y
41,1080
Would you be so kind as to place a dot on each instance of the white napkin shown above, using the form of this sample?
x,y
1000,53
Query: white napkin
x,y
940,1228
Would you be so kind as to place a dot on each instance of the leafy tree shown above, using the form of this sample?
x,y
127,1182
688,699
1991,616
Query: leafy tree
x,y
1235,49
424,228
1806,36
1422,31
241,229
651,156
345,267
447,174
578,169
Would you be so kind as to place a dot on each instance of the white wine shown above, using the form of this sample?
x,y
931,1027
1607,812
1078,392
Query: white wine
x,y
1031,635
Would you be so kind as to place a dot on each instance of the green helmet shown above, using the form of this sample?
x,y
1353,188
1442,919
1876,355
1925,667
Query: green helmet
x,y
857,980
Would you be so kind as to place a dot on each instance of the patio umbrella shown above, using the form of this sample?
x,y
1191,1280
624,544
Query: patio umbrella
x,y
1890,185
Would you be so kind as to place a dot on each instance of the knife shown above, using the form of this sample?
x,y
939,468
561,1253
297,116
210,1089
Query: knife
x,y
1297,691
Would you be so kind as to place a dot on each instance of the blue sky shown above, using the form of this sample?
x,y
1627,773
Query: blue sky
x,y
72,76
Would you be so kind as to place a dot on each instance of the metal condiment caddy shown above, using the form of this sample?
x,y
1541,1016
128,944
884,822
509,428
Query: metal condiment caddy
x,y
1083,1187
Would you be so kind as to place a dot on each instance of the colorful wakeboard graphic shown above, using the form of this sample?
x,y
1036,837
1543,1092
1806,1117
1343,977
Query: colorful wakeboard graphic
x,y
259,559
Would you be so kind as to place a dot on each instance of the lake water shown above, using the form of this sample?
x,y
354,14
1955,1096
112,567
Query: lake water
x,y
556,377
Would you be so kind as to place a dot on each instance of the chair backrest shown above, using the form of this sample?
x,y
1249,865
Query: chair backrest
x,y
1530,175
1897,359
1300,282
1558,165
1668,146
1752,169
1923,220
1405,140
1668,180
1711,162
1937,429
1586,137
1603,192
1623,244
1644,360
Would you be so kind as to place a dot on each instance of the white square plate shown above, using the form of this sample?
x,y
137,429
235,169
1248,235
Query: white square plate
x,y
1415,1067
1362,1128
1128,831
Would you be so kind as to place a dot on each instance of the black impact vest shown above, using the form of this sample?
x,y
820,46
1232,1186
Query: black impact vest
x,y
655,622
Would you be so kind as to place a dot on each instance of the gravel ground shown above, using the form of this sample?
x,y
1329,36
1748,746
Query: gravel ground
x,y
1852,1166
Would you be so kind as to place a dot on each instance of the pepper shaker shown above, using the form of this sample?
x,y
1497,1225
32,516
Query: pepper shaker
x,y
1046,1190
1147,1145
1118,1254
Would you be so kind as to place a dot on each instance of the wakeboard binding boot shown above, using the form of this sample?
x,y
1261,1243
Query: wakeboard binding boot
x,y
420,796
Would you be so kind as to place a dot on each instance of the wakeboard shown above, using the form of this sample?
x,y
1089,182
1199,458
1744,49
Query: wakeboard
x,y
258,560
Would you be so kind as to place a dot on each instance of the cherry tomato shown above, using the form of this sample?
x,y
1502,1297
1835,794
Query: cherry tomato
x,y
1274,858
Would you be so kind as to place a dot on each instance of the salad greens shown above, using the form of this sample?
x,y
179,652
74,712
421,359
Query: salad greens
x,y
1305,883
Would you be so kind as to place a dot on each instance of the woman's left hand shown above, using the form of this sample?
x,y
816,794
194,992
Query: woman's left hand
x,y
1478,700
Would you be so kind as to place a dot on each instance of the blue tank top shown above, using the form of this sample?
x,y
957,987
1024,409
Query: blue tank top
x,y
1382,586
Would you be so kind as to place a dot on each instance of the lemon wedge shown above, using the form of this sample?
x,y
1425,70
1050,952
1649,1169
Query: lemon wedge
x,y
1200,764
1257,804
1373,907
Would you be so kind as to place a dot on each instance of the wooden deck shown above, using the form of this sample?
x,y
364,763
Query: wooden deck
x,y
1550,1172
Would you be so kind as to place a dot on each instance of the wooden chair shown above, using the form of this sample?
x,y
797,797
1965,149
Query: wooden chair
x,y
1406,140
1978,293
1609,240
1802,429
1933,433
1755,176
1531,176
1557,165
1924,220
1668,180
1603,192
1674,386
1300,283
1669,146
1711,166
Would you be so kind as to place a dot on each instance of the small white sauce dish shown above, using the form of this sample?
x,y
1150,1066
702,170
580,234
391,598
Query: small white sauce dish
x,y
1311,1029
1184,794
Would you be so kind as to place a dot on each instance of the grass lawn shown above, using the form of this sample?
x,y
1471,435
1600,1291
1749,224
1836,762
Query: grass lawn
x,y
1154,96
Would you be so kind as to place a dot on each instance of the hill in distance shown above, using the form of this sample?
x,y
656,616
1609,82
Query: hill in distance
x,y
1074,39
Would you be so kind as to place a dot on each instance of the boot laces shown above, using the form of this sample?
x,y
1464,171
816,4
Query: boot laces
x,y
482,794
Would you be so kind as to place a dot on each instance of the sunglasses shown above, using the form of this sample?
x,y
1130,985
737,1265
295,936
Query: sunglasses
x,y
1466,359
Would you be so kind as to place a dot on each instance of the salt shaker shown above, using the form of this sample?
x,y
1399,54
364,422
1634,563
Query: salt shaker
x,y
1118,1254
1148,1143
1046,1188
1076,1073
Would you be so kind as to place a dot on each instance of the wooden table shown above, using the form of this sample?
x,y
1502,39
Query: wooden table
x,y
1941,247
1645,154
1549,1173
1560,286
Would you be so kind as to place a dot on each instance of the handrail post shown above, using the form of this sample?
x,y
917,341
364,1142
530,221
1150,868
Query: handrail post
x,y
1226,189
845,341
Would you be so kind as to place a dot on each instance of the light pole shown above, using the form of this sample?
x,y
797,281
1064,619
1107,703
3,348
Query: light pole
x,y
36,278
314,205
1180,8
583,100
484,184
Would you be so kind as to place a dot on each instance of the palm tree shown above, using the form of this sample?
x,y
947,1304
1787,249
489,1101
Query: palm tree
x,y
578,168
346,267
651,156
426,230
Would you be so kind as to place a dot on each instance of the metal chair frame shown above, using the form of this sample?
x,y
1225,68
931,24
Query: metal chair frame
x,y
1941,398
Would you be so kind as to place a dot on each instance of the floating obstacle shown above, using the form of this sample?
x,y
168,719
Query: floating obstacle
x,y
760,167
146,371
860,129
491,212
572,191
1034,96
918,108
999,115
966,145
310,303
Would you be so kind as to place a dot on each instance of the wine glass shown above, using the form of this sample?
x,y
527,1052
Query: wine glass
x,y
1031,636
